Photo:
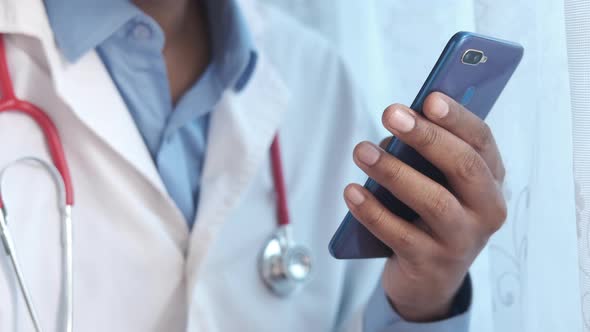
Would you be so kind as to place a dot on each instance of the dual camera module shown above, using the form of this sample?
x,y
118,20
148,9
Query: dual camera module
x,y
473,57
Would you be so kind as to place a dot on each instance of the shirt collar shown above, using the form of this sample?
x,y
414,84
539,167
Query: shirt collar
x,y
82,25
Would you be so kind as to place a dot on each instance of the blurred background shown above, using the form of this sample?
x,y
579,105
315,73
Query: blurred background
x,y
535,273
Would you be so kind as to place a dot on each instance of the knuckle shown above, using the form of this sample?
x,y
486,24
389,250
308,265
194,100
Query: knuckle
x,y
441,203
376,218
429,137
483,138
394,171
470,165
406,239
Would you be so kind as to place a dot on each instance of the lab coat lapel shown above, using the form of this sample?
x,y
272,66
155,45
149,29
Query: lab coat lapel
x,y
100,107
86,87
241,130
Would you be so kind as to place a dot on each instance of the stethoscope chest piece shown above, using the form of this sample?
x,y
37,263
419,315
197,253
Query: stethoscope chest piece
x,y
284,266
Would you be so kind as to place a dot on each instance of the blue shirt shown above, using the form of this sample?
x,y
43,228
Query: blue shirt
x,y
130,44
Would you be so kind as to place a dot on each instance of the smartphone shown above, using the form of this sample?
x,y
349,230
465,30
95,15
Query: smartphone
x,y
472,69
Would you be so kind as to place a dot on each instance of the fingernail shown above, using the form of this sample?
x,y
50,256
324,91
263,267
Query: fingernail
x,y
401,120
368,154
354,195
439,108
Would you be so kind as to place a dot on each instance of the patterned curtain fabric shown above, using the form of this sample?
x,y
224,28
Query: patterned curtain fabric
x,y
535,273
577,19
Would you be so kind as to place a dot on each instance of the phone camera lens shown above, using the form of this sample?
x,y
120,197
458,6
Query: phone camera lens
x,y
472,57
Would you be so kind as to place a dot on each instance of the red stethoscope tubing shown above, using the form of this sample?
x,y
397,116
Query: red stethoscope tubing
x,y
10,103
279,183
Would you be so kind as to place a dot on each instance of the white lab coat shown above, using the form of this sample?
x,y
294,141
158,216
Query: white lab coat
x,y
137,267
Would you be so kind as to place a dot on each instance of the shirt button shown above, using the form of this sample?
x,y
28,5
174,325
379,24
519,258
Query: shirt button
x,y
142,31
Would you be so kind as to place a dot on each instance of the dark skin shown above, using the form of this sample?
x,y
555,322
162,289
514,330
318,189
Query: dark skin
x,y
187,47
432,255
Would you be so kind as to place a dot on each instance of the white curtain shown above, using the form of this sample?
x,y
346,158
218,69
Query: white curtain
x,y
535,273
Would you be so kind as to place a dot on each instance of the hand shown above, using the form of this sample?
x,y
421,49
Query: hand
x,y
433,254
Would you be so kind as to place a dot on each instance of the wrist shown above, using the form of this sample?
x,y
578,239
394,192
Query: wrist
x,y
423,313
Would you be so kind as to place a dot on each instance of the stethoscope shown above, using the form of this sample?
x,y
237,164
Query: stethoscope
x,y
284,266
60,174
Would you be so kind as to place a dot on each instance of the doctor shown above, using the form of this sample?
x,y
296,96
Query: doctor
x,y
167,110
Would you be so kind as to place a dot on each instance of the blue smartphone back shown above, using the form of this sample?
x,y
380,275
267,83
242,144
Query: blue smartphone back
x,y
475,86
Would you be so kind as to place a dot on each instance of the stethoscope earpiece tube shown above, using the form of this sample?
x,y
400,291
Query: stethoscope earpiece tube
x,y
7,238
10,252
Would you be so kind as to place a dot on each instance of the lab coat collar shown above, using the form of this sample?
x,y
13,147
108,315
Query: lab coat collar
x,y
98,105
28,17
